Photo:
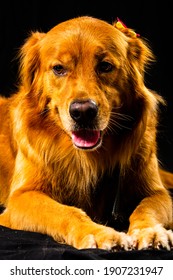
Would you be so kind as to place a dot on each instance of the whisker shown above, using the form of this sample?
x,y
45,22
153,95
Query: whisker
x,y
118,124
112,128
122,116
115,125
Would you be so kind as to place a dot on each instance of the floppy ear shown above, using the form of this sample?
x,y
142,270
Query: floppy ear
x,y
143,100
139,53
30,60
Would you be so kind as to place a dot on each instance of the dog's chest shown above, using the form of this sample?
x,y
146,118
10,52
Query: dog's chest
x,y
112,201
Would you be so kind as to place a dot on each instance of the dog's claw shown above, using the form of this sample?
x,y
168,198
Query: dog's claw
x,y
152,238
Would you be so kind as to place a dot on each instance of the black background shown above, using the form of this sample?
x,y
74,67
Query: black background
x,y
153,20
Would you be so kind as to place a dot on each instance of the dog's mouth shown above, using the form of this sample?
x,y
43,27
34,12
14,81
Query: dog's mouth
x,y
86,138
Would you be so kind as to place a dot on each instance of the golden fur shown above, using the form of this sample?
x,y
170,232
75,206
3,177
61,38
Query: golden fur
x,y
57,166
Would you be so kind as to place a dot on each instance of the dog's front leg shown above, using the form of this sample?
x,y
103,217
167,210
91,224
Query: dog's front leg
x,y
35,211
151,218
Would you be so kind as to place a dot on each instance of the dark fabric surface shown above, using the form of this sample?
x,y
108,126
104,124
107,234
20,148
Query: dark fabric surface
x,y
23,245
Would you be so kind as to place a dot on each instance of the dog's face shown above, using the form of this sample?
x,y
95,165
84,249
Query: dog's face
x,y
82,74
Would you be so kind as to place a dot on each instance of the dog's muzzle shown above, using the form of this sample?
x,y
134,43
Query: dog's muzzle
x,y
84,114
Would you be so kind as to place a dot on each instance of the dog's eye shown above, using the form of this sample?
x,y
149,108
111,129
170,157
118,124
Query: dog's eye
x,y
59,70
105,67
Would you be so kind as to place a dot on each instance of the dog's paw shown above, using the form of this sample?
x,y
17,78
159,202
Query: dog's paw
x,y
104,238
156,237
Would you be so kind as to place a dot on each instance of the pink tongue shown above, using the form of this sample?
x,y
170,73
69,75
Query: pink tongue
x,y
85,138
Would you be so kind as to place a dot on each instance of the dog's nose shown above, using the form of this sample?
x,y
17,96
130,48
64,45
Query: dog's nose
x,y
83,111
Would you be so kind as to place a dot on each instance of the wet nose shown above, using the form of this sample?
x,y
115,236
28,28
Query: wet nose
x,y
84,111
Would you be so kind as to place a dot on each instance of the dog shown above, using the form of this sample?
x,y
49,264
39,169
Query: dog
x,y
78,151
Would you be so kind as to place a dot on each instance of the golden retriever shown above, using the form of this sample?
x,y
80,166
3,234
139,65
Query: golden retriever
x,y
78,152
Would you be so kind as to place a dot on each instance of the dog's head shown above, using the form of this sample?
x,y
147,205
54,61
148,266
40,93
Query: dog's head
x,y
87,77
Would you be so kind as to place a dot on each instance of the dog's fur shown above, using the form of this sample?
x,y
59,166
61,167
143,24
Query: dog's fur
x,y
78,140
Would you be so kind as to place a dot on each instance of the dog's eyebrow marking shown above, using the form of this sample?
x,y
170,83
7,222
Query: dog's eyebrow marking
x,y
109,50
102,54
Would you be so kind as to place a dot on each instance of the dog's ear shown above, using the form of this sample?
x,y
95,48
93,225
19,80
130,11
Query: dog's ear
x,y
139,52
30,60
139,57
